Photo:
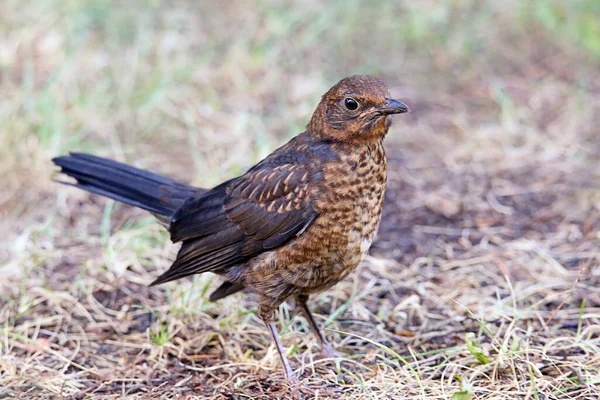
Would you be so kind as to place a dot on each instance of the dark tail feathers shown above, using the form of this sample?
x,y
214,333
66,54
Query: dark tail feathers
x,y
133,186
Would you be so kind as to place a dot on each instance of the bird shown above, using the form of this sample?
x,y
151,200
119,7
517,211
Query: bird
x,y
293,225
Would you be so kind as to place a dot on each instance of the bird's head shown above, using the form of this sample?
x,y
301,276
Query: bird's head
x,y
357,108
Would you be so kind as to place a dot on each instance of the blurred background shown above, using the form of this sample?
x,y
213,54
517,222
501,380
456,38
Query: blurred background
x,y
493,202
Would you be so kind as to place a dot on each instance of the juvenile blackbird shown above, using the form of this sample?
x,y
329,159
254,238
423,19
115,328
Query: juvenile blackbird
x,y
295,224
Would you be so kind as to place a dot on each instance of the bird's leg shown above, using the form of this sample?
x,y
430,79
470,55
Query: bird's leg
x,y
326,349
266,314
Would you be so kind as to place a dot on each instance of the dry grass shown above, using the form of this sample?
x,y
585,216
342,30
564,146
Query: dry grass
x,y
484,282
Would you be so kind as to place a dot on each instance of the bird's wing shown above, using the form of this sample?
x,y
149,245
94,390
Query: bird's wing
x,y
241,218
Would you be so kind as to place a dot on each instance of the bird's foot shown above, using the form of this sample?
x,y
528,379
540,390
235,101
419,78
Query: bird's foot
x,y
291,378
328,352
298,390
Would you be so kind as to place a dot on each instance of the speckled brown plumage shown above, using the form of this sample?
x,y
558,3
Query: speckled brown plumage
x,y
295,224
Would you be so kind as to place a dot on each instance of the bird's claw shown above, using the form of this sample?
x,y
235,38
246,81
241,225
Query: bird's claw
x,y
328,352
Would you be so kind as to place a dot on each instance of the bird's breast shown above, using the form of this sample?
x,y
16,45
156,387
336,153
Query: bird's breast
x,y
348,201
353,187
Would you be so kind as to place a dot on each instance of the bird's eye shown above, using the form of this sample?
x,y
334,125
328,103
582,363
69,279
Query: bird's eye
x,y
350,103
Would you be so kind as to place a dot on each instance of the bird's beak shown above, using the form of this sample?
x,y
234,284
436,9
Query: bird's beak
x,y
393,107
